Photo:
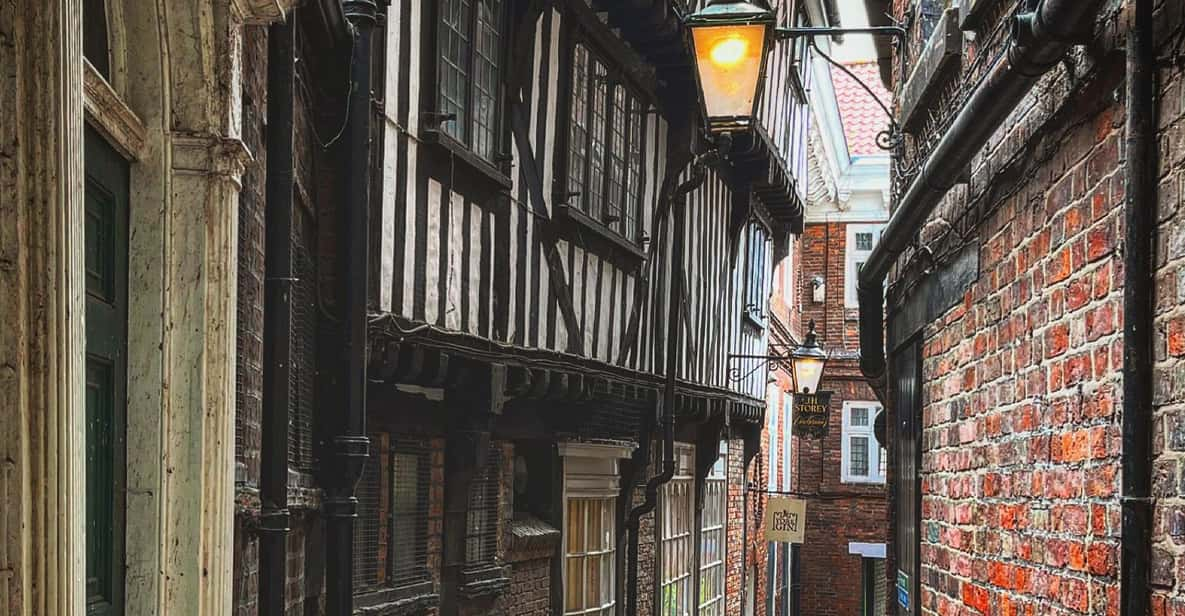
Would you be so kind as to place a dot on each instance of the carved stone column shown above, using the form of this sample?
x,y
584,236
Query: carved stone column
x,y
42,345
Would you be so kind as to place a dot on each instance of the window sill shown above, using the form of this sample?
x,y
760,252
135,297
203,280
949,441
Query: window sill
x,y
584,222
484,581
857,481
465,161
754,319
413,598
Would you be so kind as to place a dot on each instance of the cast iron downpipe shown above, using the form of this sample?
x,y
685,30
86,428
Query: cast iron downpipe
x,y
349,447
674,316
1039,40
1140,196
277,324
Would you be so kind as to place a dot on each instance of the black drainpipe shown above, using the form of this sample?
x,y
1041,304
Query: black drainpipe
x,y
674,306
1039,40
349,447
1140,192
277,325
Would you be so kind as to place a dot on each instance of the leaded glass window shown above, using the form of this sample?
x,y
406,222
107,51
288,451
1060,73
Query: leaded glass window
x,y
677,555
713,544
606,144
470,43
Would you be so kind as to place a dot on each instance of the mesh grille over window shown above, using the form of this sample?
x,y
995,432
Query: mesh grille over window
x,y
391,532
481,537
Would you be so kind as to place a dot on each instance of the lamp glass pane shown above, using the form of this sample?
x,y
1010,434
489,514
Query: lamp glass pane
x,y
728,59
807,373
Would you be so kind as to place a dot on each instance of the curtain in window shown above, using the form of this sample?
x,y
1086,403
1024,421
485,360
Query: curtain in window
x,y
588,556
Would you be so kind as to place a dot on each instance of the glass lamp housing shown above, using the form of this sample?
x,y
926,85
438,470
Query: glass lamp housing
x,y
729,41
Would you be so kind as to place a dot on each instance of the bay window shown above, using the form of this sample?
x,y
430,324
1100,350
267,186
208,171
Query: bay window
x,y
591,485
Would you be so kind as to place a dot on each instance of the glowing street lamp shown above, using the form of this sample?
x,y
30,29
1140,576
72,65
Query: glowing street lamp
x,y
807,362
729,39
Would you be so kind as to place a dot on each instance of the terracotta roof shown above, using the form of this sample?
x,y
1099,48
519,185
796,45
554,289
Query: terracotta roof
x,y
862,117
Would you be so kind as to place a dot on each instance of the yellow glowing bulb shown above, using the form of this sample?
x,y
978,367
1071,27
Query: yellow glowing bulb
x,y
729,52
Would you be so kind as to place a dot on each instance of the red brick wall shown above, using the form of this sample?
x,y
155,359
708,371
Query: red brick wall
x,y
1020,425
742,562
1168,554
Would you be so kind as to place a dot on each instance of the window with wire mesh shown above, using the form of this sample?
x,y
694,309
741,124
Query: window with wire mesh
x,y
303,367
471,47
368,543
391,532
712,537
606,144
481,535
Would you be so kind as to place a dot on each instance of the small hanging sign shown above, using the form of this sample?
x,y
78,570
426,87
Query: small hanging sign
x,y
785,520
812,414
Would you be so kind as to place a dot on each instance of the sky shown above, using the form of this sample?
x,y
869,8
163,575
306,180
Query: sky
x,y
856,48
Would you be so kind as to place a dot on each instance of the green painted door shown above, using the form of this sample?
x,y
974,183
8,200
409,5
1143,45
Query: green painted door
x,y
106,373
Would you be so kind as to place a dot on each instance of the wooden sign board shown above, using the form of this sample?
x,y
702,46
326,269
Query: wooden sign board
x,y
812,414
785,520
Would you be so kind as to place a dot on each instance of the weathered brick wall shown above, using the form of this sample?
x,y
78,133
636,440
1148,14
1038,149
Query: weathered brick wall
x,y
1020,431
1168,554
530,588
823,254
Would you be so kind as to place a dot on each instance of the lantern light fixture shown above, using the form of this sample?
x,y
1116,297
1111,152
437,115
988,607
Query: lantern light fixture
x,y
807,361
729,39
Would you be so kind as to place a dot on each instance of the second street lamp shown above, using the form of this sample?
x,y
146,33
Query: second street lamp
x,y
807,361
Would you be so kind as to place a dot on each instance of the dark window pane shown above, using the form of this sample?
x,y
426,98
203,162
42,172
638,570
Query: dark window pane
x,y
597,134
614,216
863,241
486,68
858,454
95,44
454,49
578,140
633,202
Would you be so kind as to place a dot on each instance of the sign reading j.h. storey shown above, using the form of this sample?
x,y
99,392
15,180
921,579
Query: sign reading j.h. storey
x,y
812,413
785,520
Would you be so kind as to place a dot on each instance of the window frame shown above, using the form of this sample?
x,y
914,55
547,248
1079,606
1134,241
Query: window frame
x,y
420,584
461,154
591,471
717,477
628,229
684,481
876,453
852,257
757,258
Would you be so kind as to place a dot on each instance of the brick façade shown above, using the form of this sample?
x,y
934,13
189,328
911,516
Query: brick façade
x,y
1023,383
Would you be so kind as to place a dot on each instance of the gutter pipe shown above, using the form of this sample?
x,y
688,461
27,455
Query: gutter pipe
x,y
674,305
1039,40
1140,196
349,446
277,326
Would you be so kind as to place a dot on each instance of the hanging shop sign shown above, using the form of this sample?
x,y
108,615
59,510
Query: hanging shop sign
x,y
785,520
812,414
